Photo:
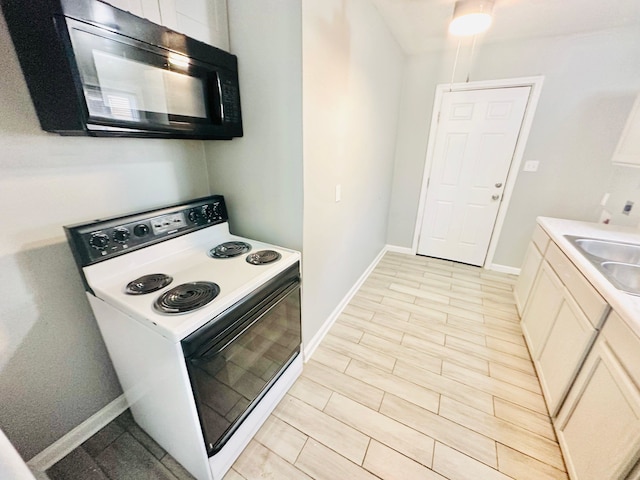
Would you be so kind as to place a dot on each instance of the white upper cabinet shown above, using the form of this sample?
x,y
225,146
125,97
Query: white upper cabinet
x,y
628,150
148,9
204,20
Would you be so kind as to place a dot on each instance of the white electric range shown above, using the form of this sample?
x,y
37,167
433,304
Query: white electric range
x,y
202,326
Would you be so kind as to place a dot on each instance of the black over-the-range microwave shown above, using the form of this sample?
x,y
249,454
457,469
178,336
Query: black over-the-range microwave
x,y
93,69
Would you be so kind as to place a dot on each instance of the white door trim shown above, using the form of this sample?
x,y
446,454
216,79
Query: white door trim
x,y
536,86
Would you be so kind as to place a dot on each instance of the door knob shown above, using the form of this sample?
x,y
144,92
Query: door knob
x,y
495,197
498,185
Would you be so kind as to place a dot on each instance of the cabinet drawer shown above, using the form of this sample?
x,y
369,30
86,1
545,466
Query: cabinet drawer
x,y
593,305
540,238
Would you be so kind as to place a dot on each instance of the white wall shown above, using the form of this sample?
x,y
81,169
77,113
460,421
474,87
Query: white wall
x,y
260,175
590,83
54,369
352,77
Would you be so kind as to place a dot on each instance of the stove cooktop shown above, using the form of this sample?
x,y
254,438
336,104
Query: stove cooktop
x,y
186,260
173,268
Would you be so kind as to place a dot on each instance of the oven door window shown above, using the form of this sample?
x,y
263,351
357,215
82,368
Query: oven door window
x,y
234,373
133,83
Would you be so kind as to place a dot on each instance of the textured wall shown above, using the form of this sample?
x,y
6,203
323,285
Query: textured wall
x,y
54,368
352,78
261,173
590,83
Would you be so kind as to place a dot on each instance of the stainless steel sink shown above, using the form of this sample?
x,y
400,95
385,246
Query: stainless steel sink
x,y
612,251
627,275
618,262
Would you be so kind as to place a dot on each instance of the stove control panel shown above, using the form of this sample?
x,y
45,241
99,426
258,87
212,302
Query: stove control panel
x,y
167,223
96,241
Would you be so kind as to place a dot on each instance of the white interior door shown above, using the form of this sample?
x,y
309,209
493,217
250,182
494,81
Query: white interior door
x,y
474,145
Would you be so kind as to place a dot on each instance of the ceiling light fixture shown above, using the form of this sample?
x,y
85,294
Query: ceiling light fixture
x,y
471,17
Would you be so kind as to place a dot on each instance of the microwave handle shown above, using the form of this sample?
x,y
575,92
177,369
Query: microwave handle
x,y
221,100
213,86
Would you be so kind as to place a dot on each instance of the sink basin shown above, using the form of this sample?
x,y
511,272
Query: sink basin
x,y
612,251
626,275
618,262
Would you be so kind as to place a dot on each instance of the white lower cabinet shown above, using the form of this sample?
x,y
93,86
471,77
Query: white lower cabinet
x,y
530,267
563,352
588,362
558,334
599,424
528,272
542,308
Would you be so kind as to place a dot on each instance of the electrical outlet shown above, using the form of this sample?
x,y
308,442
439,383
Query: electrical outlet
x,y
531,166
605,216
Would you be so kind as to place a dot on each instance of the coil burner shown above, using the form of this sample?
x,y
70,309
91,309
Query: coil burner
x,y
229,249
148,284
186,297
263,257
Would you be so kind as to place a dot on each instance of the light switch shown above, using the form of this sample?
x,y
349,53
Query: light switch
x,y
531,166
338,192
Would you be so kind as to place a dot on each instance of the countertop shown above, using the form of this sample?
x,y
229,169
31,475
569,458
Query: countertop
x,y
626,305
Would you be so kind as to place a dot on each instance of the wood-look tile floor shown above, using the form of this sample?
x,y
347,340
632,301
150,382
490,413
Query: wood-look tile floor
x,y
425,375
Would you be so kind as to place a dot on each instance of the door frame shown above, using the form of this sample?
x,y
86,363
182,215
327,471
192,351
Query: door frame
x,y
536,86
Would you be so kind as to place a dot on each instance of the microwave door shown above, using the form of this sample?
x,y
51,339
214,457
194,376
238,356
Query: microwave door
x,y
127,84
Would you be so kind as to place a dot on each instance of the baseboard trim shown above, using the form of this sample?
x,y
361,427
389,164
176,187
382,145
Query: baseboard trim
x,y
504,269
317,338
72,440
397,249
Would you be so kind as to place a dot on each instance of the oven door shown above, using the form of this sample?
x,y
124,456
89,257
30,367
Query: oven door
x,y
234,359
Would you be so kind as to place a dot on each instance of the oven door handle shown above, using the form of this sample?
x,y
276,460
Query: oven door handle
x,y
244,325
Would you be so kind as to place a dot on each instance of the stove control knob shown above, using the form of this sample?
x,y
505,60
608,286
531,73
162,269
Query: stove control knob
x,y
207,212
194,215
215,208
121,235
99,241
140,230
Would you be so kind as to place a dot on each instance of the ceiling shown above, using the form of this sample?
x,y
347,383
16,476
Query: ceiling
x,y
421,25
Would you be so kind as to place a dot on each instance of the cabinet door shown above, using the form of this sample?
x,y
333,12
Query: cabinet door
x,y
542,308
599,425
628,150
562,354
204,20
528,272
148,9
